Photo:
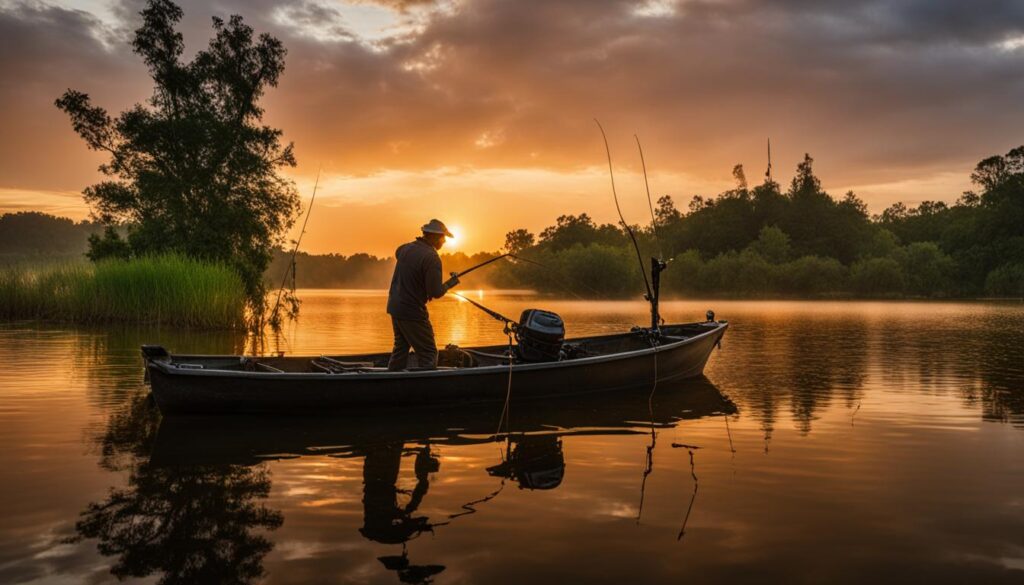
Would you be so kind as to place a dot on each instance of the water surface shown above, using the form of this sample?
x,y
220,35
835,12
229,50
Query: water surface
x,y
829,442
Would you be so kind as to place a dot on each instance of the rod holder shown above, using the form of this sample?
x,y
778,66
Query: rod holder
x,y
657,266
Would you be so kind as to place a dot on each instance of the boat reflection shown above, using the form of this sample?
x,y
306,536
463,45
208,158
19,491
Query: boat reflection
x,y
190,440
193,509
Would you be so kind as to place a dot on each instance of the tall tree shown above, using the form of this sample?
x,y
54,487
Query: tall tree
x,y
194,170
518,240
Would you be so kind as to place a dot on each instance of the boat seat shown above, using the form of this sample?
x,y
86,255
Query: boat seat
x,y
331,366
344,364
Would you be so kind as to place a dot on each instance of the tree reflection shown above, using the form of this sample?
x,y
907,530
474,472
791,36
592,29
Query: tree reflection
x,y
192,523
773,367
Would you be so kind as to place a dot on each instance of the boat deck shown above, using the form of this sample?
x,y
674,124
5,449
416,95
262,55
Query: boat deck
x,y
449,358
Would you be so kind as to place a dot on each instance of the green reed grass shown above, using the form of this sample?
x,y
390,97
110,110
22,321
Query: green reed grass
x,y
166,289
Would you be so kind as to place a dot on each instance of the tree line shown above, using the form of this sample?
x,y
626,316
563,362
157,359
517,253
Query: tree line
x,y
33,233
745,242
763,241
359,271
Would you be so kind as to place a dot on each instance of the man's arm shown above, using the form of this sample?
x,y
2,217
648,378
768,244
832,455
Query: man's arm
x,y
435,288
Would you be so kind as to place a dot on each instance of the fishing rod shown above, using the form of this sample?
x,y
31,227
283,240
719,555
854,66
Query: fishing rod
x,y
519,258
657,264
622,218
295,250
481,265
650,204
510,325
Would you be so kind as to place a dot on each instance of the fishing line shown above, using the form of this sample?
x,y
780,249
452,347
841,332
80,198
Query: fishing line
x,y
295,250
468,506
693,497
510,328
728,433
560,276
649,468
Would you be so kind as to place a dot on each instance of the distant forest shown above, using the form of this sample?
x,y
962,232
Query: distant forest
x,y
747,242
29,234
766,242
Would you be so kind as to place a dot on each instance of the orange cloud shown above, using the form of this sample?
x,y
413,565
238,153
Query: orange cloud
x,y
481,110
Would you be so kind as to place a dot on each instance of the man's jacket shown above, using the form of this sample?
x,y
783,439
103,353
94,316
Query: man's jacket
x,y
417,279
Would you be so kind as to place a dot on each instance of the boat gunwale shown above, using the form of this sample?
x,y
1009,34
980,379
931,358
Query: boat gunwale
x,y
168,367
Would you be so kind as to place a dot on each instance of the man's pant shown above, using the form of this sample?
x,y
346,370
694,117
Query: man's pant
x,y
416,334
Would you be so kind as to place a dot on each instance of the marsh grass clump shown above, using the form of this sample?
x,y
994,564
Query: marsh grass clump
x,y
166,289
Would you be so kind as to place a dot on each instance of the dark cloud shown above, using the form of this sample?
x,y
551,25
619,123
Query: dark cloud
x,y
878,91
43,51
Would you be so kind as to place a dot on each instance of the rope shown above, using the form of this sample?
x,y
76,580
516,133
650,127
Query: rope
x,y
508,394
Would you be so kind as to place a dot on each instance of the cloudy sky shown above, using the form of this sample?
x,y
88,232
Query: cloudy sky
x,y
480,112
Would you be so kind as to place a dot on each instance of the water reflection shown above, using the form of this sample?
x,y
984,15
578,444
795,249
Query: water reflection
x,y
193,507
885,421
535,462
187,523
387,521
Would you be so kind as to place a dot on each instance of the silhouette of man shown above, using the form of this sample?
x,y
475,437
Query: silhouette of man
x,y
417,279
384,520
388,522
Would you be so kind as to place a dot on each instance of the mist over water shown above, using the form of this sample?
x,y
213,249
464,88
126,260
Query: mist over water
x,y
830,442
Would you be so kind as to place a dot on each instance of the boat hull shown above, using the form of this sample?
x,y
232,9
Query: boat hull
x,y
180,390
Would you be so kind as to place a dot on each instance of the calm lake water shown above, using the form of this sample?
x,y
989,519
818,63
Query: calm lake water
x,y
840,442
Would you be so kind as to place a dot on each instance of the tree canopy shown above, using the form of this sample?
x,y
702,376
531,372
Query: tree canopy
x,y
194,170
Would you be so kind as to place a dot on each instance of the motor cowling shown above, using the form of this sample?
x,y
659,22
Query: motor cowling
x,y
540,335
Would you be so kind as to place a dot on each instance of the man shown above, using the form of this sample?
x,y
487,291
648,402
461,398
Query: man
x,y
417,279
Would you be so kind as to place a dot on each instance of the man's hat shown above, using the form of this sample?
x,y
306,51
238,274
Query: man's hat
x,y
435,226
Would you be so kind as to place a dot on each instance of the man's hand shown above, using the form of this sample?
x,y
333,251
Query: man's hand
x,y
451,282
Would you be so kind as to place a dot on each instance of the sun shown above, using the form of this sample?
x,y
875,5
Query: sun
x,y
453,240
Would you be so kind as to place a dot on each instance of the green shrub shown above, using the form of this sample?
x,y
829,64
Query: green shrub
x,y
1007,280
600,269
928,270
684,274
772,244
877,277
746,273
811,275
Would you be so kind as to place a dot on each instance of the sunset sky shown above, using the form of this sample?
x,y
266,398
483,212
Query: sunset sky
x,y
480,112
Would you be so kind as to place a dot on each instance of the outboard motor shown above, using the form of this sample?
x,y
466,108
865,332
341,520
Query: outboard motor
x,y
540,335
